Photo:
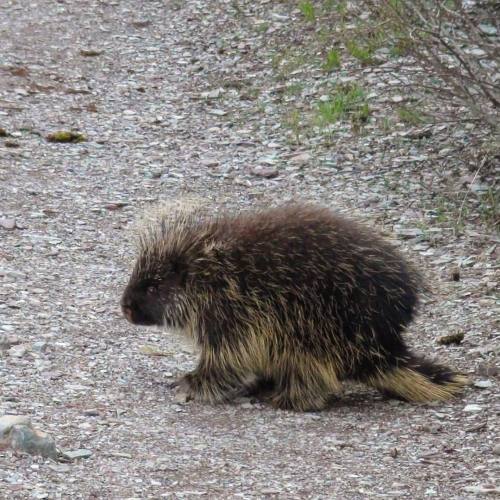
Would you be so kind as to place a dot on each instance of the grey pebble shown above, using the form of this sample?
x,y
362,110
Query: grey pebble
x,y
76,454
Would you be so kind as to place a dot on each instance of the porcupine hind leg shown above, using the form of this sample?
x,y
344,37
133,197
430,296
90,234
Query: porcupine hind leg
x,y
303,384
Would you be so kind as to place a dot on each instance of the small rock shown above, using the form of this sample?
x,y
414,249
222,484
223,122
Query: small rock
x,y
408,233
208,162
7,341
496,449
8,223
477,427
3,132
140,24
40,495
488,349
7,327
475,51
300,158
11,144
267,172
488,29
151,350
455,274
40,346
76,454
270,491
431,428
18,351
8,421
473,408
212,94
59,467
181,397
482,488
115,205
155,174
424,133
25,438
483,384
91,412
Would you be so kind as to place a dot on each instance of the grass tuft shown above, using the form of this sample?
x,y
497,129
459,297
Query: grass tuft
x,y
308,11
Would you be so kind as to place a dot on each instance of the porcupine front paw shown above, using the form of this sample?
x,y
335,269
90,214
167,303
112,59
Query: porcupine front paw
x,y
202,387
183,389
195,387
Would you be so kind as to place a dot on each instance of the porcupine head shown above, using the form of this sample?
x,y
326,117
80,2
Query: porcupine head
x,y
174,247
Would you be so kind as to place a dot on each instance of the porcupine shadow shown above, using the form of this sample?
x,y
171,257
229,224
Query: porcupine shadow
x,y
293,299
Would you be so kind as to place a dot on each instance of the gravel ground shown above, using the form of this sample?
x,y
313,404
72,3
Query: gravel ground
x,y
175,99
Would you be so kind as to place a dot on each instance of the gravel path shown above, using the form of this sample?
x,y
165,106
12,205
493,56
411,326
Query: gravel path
x,y
178,98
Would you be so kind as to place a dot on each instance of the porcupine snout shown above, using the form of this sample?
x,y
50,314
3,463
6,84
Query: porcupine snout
x,y
126,305
127,310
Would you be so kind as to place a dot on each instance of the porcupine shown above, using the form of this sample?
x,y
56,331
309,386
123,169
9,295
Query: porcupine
x,y
295,299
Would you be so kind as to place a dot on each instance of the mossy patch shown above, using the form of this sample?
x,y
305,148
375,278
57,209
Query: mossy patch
x,y
90,53
66,136
454,338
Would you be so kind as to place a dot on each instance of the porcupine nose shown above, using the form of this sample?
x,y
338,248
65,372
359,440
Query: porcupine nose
x,y
127,309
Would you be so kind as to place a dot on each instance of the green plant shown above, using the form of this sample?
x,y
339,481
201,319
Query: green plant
x,y
364,54
308,11
332,60
400,46
346,100
456,62
489,207
292,121
294,88
386,124
410,115
262,27
287,63
362,114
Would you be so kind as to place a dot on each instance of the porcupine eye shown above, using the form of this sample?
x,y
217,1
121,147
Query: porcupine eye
x,y
152,290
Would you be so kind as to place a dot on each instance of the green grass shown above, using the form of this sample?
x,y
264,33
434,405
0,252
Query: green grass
x,y
262,28
400,46
348,100
292,122
294,88
410,116
489,207
385,124
332,60
308,11
362,114
363,53
286,63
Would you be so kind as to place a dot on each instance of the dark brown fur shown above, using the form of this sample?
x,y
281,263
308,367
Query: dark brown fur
x,y
295,298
